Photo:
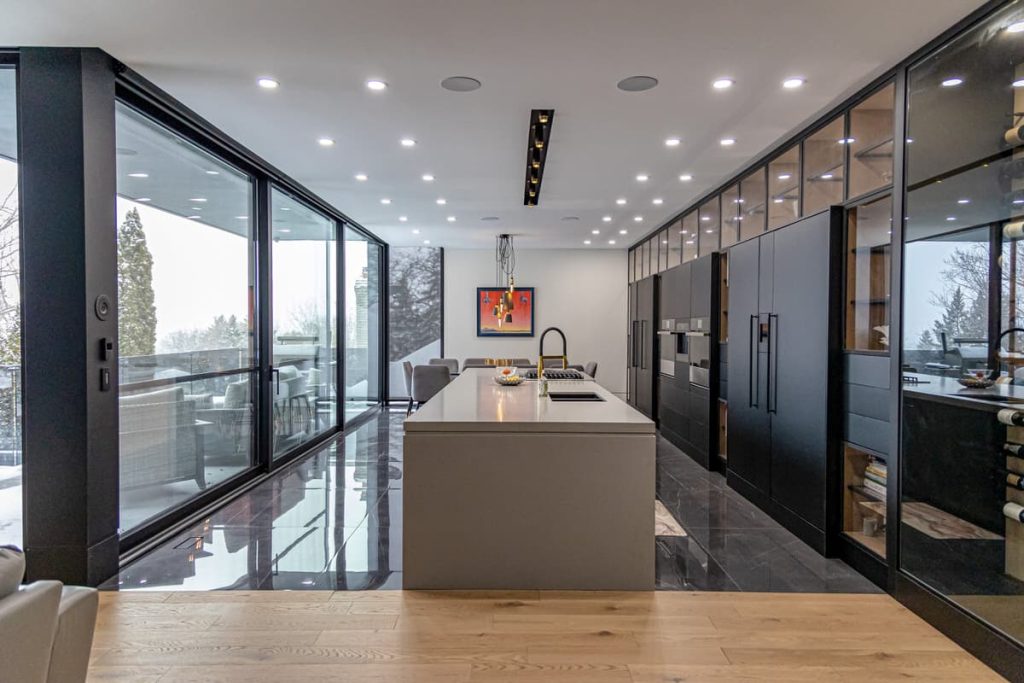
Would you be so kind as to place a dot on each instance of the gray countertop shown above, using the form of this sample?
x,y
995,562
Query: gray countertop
x,y
948,390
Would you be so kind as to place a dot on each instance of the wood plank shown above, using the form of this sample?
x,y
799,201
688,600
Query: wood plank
x,y
556,636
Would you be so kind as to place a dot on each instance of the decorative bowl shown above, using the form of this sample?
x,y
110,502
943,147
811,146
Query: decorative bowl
x,y
508,380
972,382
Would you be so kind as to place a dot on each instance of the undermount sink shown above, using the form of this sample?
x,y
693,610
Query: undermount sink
x,y
574,396
995,398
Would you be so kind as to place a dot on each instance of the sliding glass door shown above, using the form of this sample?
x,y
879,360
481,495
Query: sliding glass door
x,y
186,296
305,284
363,340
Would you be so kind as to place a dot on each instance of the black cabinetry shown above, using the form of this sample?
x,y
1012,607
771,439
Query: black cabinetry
x,y
783,343
689,365
642,345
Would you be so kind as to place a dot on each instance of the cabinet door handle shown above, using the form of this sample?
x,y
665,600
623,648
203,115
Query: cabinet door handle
x,y
643,345
773,364
755,365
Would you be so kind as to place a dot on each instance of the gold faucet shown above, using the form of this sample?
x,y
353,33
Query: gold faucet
x,y
564,357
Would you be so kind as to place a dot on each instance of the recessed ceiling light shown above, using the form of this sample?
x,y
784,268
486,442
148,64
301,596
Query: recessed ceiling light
x,y
415,231
286,208
689,241
595,232
441,201
620,201
722,84
1015,27
672,142
952,82
1018,83
642,177
428,178
143,199
267,83
192,218
950,218
793,83
325,142
242,218
637,83
686,177
657,201
138,175
197,208
963,201
611,241
826,176
197,199
709,230
606,219
408,142
777,200
638,219
705,218
426,241
213,173
460,84
451,219
586,241
727,142
403,219
376,84
623,232
846,141
785,176
385,200
286,230
361,177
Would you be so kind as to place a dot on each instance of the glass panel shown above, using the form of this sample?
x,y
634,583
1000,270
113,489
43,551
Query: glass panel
x,y
10,319
645,259
663,249
185,264
689,234
784,188
868,235
414,310
305,286
630,263
753,190
960,463
652,255
824,154
732,208
675,244
362,323
871,132
710,225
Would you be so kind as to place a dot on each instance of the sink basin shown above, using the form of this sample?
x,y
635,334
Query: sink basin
x,y
574,396
995,398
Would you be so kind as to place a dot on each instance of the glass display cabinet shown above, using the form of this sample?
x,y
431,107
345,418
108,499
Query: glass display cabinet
x,y
732,205
675,244
663,250
870,142
868,254
652,255
824,157
784,188
710,226
689,235
753,193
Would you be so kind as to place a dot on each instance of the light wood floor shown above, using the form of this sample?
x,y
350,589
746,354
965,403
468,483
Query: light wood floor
x,y
397,637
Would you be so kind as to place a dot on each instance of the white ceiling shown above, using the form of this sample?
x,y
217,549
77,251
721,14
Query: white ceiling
x,y
561,54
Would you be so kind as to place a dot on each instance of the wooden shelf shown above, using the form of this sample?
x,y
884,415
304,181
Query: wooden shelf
x,y
862,490
875,544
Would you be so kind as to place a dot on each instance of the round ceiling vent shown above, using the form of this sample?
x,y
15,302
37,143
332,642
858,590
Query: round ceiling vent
x,y
460,84
489,218
570,218
638,83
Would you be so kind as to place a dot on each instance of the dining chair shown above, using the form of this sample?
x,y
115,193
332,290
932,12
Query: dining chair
x,y
427,380
452,363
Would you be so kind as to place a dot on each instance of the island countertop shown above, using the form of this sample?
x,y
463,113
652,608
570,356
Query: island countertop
x,y
474,402
948,390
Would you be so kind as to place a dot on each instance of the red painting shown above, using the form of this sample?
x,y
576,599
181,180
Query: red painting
x,y
516,322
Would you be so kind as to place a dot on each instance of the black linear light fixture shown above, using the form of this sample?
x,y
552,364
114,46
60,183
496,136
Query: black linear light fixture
x,y
537,153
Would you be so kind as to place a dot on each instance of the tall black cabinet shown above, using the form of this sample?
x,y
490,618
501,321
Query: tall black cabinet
x,y
782,351
642,345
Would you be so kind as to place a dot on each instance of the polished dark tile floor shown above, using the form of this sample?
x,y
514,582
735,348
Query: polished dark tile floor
x,y
334,521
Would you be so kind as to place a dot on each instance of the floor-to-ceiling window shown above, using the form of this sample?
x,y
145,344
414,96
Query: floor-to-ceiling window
x,y
414,311
305,317
362,322
10,319
186,305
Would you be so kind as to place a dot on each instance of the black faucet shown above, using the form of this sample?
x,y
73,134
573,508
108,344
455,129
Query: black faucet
x,y
994,351
565,352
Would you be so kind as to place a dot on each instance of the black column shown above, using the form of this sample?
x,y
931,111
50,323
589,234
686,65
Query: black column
x,y
68,224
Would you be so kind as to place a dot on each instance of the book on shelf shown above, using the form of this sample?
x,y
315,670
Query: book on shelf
x,y
875,487
879,471
868,475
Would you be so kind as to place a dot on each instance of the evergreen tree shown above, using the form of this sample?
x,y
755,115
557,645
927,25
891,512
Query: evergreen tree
x,y
955,321
136,310
927,341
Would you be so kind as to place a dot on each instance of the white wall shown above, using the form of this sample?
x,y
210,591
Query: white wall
x,y
581,291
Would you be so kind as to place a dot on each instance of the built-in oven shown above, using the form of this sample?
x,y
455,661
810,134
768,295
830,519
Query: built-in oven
x,y
698,341
673,346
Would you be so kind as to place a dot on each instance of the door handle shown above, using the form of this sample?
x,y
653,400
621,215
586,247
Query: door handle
x,y
277,379
755,365
773,365
643,345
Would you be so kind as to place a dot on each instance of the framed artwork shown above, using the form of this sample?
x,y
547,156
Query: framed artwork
x,y
516,323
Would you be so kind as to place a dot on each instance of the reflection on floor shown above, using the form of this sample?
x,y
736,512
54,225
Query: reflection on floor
x,y
334,521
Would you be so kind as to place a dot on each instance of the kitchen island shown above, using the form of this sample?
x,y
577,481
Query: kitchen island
x,y
507,489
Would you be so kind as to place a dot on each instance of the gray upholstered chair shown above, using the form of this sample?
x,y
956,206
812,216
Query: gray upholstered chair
x,y
46,628
521,362
591,368
427,380
407,371
475,363
452,363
